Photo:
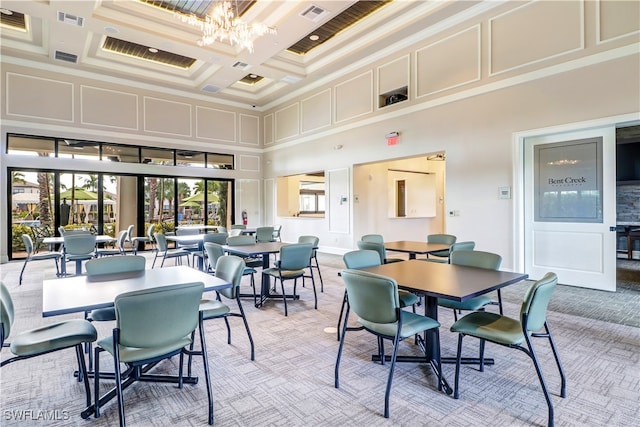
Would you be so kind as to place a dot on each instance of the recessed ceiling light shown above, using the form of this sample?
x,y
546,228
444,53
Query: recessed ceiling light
x,y
153,50
6,11
111,30
253,76
314,37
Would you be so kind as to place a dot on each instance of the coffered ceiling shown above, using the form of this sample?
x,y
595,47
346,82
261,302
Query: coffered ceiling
x,y
144,43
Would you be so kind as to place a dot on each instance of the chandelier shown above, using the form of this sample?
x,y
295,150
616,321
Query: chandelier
x,y
221,24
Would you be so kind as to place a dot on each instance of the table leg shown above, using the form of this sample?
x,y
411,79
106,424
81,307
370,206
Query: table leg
x,y
265,285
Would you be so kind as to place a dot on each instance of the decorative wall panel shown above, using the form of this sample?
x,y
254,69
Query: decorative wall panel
x,y
354,97
393,75
29,96
249,129
215,124
268,129
617,19
249,163
316,111
167,117
287,122
108,108
339,200
534,32
448,63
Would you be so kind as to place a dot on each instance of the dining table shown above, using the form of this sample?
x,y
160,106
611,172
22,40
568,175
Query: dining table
x,y
190,239
264,251
437,280
414,248
59,240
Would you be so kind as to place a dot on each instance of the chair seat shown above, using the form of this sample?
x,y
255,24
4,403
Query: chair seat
x,y
79,257
407,299
45,255
286,274
248,270
53,337
472,304
176,253
135,354
490,326
412,324
103,314
213,308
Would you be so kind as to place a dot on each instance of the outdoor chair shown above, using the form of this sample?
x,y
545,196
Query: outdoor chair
x,y
31,256
374,299
512,333
119,249
151,325
136,241
45,339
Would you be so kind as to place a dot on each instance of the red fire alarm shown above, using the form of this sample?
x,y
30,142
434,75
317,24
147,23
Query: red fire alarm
x,y
392,138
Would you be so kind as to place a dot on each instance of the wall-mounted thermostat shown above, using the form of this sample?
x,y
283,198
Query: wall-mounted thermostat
x,y
504,192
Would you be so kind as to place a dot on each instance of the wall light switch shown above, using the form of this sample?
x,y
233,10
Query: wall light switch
x,y
504,192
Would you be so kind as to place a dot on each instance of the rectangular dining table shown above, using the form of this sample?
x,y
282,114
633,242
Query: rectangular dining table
x,y
77,294
414,248
263,250
436,280
190,239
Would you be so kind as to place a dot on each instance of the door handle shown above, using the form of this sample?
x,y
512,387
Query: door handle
x,y
613,229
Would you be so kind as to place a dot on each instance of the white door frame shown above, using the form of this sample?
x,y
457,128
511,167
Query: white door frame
x,y
518,172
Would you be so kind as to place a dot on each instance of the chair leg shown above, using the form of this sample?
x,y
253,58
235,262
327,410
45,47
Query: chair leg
x,y
116,363
313,283
387,394
456,392
226,322
253,287
83,372
22,271
344,332
345,301
563,383
246,326
500,302
481,355
284,297
381,350
96,383
206,369
315,257
547,397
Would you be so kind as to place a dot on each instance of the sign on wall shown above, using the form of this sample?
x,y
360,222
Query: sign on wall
x,y
568,181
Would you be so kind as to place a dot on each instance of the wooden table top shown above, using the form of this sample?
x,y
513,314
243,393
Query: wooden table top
x,y
415,247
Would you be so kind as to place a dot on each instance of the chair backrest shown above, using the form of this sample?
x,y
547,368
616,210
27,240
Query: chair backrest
x,y
115,264
219,238
129,234
447,239
372,297
161,241
240,240
373,246
214,252
28,244
222,229
462,246
123,236
361,259
312,240
75,232
158,316
376,238
276,231
61,230
79,244
264,234
7,312
479,259
235,232
150,232
230,269
295,256
533,312
187,231
238,227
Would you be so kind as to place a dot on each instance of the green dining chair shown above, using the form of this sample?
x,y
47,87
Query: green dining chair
x,y
219,238
512,333
264,234
374,299
164,252
458,246
31,256
293,260
313,262
368,258
136,241
151,325
446,239
46,339
477,259
378,247
119,249
215,251
229,268
78,248
376,238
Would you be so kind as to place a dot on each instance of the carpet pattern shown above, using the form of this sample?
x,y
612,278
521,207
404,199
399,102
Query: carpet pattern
x,y
291,381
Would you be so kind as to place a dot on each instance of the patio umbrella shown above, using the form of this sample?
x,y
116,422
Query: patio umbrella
x,y
189,204
199,197
79,194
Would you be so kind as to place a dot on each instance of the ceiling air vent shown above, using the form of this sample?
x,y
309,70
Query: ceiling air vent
x,y
211,88
314,13
67,57
241,65
70,19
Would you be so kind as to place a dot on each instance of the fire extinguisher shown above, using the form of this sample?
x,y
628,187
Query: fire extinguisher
x,y
244,217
